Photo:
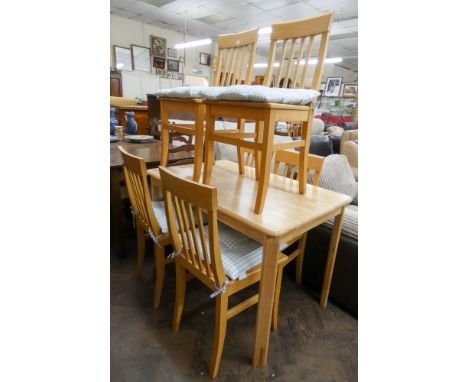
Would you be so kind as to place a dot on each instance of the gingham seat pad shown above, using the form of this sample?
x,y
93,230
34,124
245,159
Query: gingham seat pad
x,y
160,212
247,93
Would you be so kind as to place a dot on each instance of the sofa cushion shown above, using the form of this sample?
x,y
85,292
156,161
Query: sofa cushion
x,y
337,175
350,222
320,145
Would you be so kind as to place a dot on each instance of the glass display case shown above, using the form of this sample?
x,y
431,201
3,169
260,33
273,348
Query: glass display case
x,y
339,106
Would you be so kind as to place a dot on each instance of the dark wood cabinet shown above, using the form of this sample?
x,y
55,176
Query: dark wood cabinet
x,y
141,117
116,84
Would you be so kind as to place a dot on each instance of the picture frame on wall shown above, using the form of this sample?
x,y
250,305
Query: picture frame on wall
x,y
168,74
180,76
123,58
141,58
158,46
205,59
173,65
160,72
159,63
332,89
171,53
350,90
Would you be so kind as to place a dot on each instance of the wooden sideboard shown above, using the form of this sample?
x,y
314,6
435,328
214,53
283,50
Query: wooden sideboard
x,y
141,116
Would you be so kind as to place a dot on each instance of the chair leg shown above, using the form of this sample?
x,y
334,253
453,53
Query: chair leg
x,y
220,332
140,233
180,296
160,268
209,147
300,259
264,169
240,150
274,316
199,134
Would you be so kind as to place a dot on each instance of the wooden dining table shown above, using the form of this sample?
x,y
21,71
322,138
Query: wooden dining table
x,y
151,153
286,215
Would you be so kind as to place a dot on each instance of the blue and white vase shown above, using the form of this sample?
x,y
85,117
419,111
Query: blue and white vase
x,y
113,121
131,125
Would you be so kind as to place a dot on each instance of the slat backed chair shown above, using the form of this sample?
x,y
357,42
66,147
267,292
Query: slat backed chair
x,y
221,258
150,219
287,164
236,54
268,113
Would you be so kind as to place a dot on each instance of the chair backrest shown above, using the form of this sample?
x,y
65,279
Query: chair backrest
x,y
290,160
185,200
298,31
236,55
138,192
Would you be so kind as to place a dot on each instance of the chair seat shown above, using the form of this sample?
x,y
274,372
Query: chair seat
x,y
247,93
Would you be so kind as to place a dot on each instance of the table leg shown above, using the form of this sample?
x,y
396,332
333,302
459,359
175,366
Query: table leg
x,y
265,301
335,239
116,213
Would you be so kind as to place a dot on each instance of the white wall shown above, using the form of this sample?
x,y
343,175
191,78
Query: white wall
x,y
124,32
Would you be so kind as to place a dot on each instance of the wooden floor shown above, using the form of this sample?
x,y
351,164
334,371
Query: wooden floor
x,y
311,343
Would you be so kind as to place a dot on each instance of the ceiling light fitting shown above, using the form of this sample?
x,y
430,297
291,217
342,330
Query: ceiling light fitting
x,y
192,44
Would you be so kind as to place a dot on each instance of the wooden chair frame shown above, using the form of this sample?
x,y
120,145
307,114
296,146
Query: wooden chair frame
x,y
267,114
185,200
146,223
234,51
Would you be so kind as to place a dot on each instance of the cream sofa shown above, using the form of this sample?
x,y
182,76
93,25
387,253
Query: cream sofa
x,y
349,148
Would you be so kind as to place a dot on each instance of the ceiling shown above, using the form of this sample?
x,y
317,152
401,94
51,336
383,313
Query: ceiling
x,y
210,18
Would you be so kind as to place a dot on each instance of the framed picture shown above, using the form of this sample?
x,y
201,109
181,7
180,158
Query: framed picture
x,y
205,59
159,62
333,86
171,53
141,58
168,74
158,46
350,90
160,72
173,65
180,76
122,58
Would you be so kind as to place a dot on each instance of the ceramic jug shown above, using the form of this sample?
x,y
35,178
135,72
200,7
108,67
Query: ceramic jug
x,y
131,125
113,121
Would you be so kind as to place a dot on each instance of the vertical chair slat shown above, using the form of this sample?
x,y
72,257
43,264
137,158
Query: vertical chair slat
x,y
187,233
231,63
298,62
271,60
281,61
290,59
321,59
306,60
203,242
249,72
242,61
194,237
235,65
225,66
182,231
219,66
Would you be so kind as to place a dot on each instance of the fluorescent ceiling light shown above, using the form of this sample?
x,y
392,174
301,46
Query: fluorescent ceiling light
x,y
192,44
312,61
265,30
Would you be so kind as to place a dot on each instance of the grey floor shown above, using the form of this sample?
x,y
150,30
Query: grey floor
x,y
311,343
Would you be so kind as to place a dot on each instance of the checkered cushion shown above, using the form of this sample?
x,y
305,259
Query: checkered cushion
x,y
249,93
160,212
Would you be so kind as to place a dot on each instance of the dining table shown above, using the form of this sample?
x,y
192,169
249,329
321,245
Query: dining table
x,y
150,151
286,215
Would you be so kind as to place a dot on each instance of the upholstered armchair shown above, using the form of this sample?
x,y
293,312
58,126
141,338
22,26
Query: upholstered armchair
x,y
349,148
